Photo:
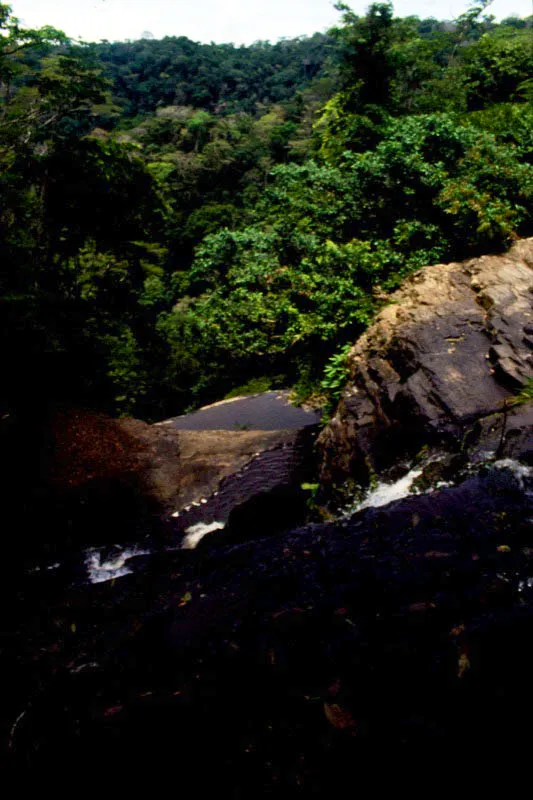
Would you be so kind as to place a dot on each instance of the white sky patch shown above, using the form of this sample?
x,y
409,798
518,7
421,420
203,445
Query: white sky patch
x,y
195,534
238,21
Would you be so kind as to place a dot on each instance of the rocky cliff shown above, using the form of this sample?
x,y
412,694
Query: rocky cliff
x,y
439,368
86,479
391,641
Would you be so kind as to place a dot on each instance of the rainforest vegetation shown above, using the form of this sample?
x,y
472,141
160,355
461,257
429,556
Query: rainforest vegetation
x,y
180,220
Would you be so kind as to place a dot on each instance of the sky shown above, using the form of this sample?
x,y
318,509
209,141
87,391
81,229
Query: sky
x,y
238,21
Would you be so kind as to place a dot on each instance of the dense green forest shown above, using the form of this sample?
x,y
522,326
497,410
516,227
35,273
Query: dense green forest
x,y
180,220
220,78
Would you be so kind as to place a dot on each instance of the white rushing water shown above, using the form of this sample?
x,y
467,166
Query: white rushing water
x,y
113,567
196,533
103,564
385,493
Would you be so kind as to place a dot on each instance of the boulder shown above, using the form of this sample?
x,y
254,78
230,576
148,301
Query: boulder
x,y
439,367
96,480
398,637
385,643
183,467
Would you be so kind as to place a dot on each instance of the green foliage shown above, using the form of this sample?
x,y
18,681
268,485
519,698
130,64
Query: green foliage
x,y
442,187
334,379
44,103
253,386
253,308
353,118
366,64
510,123
124,369
221,78
177,220
496,69
336,373
340,130
76,279
525,395
281,293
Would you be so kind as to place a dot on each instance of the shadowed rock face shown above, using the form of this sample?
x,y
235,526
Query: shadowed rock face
x,y
262,497
92,480
454,345
82,478
284,667
183,466
386,643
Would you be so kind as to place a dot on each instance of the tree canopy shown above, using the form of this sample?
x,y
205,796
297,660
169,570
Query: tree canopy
x,y
180,219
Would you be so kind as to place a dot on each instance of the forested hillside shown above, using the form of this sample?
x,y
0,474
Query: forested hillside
x,y
180,220
221,78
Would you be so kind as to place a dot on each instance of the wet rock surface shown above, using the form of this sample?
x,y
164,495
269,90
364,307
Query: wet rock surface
x,y
266,411
78,477
93,480
280,659
203,460
264,496
438,367
285,666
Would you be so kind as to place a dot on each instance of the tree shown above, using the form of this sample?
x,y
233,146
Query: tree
x,y
353,118
74,211
366,61
497,69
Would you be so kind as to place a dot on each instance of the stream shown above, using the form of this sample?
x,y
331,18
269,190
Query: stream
x,y
97,565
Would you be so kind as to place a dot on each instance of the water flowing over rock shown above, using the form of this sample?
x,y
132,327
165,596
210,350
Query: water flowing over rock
x,y
400,635
438,368
274,658
93,480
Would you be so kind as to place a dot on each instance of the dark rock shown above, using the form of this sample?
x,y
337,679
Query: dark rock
x,y
297,663
507,435
265,411
262,498
88,479
448,353
83,480
284,667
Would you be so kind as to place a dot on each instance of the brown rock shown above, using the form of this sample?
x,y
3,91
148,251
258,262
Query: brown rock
x,y
182,466
108,480
447,352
